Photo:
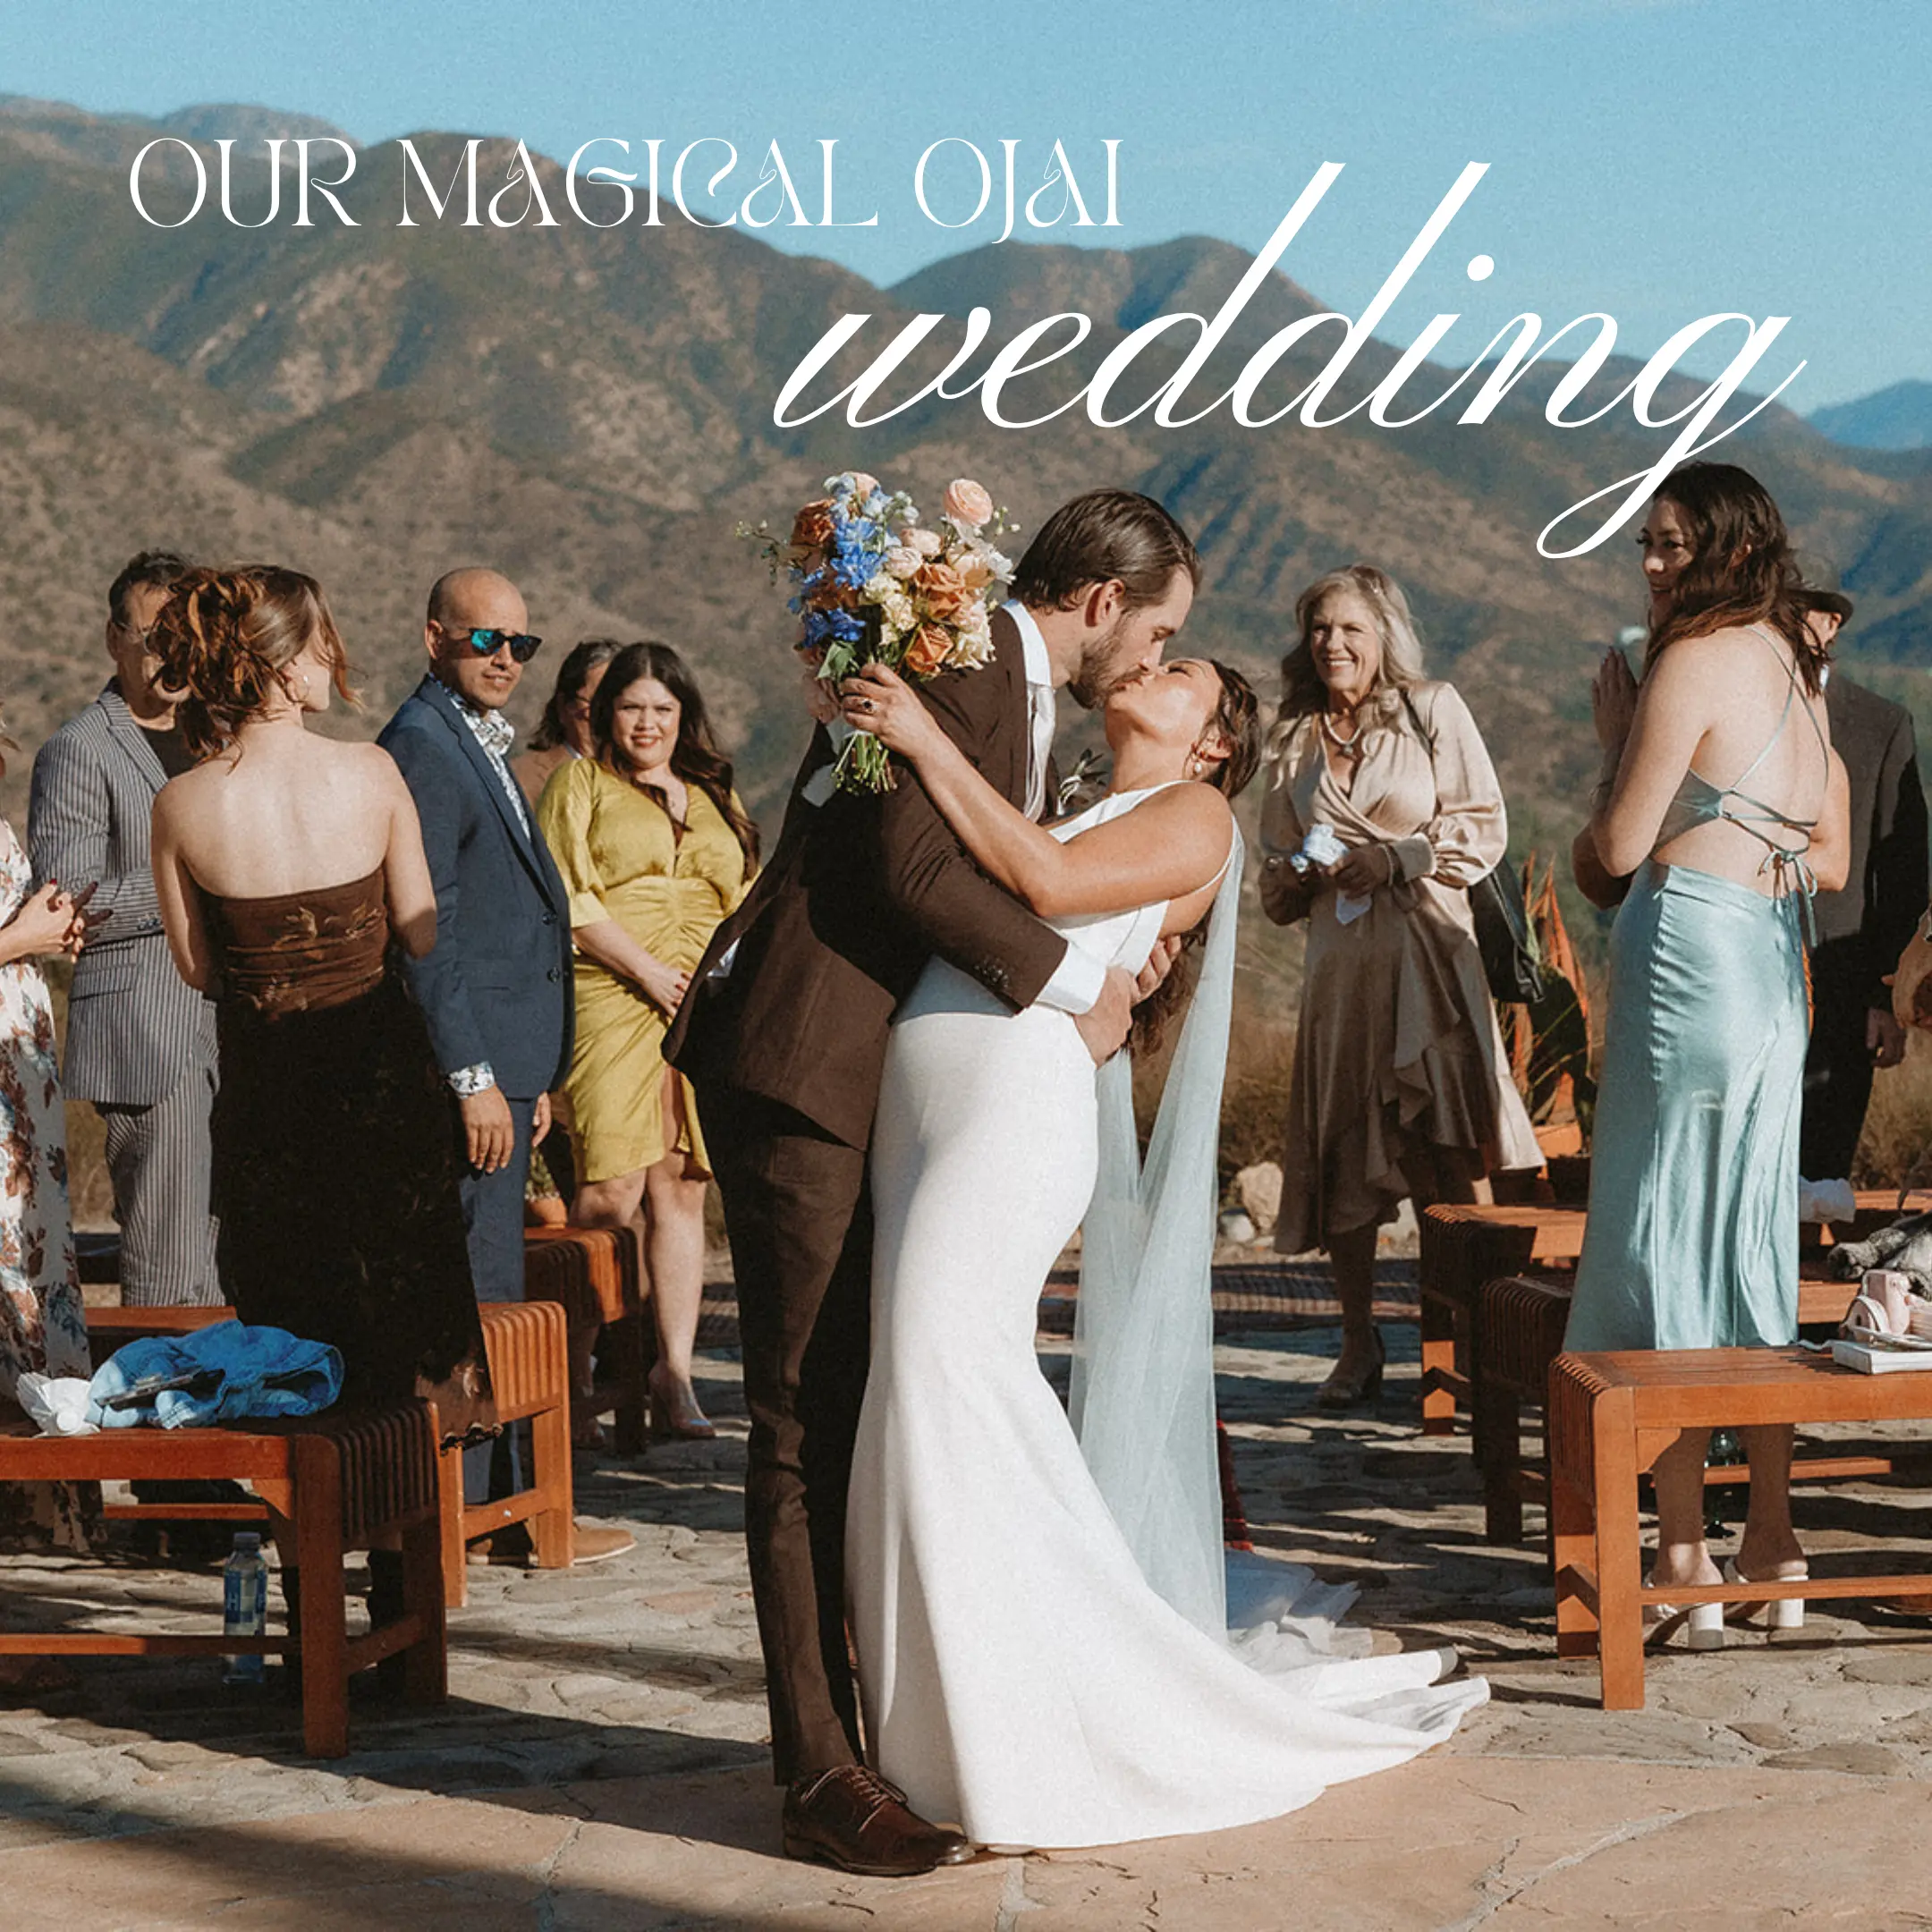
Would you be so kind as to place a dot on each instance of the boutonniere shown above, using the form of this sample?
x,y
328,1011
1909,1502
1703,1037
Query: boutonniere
x,y
1088,777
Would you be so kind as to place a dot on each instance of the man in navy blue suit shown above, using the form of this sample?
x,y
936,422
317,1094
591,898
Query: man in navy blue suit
x,y
496,987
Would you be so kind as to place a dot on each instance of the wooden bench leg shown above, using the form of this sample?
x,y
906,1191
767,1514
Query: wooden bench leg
x,y
553,1528
450,1518
1438,1361
1497,1419
324,1669
1619,1553
1572,1547
630,1348
425,1662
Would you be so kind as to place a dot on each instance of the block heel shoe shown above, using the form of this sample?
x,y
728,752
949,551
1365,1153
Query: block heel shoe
x,y
1703,1624
1780,1613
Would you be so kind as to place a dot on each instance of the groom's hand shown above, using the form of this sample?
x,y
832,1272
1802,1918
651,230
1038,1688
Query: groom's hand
x,y
1105,1024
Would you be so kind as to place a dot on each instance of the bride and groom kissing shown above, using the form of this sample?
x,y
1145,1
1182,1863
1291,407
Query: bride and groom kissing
x,y
894,1043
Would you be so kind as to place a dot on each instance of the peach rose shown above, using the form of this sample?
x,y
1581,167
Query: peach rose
x,y
926,650
967,503
863,485
927,543
812,526
939,585
975,574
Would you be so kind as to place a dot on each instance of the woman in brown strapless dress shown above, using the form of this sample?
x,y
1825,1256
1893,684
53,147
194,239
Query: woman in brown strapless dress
x,y
335,1149
336,1177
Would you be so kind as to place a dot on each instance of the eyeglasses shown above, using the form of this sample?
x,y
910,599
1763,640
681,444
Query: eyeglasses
x,y
488,642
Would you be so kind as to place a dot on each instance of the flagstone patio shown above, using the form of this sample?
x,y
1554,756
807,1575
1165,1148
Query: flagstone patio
x,y
601,1762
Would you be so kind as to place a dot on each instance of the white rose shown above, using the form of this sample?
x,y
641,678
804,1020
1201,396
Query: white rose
x,y
878,587
927,543
902,560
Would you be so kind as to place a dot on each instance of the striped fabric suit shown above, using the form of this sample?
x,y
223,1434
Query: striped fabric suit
x,y
140,1042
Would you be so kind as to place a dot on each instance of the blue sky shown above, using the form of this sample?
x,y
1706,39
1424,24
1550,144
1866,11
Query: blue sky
x,y
1658,159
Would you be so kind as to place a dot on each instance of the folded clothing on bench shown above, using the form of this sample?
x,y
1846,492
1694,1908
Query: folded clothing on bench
x,y
220,1374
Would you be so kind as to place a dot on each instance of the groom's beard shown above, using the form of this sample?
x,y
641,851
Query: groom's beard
x,y
1106,664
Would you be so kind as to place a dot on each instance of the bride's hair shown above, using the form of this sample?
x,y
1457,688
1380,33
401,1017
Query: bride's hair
x,y
1237,718
224,638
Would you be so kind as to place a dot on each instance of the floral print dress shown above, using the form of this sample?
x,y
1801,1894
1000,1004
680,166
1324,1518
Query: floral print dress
x,y
42,1325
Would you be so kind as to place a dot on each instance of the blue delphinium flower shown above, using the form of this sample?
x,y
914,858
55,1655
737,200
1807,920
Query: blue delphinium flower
x,y
832,627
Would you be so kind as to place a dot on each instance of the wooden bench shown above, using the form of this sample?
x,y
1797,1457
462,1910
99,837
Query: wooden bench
x,y
1611,1416
529,1372
343,1479
1521,1332
1464,1247
595,1273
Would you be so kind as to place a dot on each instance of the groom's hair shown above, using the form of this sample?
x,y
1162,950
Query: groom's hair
x,y
1097,538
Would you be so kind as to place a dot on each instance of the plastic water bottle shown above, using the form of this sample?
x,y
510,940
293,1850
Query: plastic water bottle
x,y
245,1605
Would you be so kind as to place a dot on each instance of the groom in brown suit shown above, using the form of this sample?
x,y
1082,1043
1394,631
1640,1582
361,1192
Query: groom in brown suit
x,y
783,1035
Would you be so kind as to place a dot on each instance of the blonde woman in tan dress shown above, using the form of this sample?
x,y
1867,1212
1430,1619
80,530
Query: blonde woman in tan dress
x,y
1401,1086
656,850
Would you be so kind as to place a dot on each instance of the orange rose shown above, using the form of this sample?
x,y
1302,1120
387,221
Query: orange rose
x,y
940,588
812,525
926,650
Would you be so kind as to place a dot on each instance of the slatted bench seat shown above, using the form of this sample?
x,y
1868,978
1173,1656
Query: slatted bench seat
x,y
1462,1247
1612,1415
594,1273
1521,1333
343,1479
529,1372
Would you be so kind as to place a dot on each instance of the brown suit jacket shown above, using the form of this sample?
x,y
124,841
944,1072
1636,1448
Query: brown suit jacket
x,y
861,892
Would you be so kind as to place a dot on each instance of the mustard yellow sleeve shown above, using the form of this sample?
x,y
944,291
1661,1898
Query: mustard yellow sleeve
x,y
734,896
565,813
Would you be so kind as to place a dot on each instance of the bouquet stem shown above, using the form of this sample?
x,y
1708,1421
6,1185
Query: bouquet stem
x,y
865,765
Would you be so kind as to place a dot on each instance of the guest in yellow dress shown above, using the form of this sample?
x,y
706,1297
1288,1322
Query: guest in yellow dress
x,y
656,850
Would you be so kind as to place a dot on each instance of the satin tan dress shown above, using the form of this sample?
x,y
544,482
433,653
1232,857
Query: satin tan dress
x,y
622,860
1398,1050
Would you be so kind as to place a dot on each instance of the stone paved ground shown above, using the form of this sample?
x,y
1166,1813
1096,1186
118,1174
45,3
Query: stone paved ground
x,y
600,1762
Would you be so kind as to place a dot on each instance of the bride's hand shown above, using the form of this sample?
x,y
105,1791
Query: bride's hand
x,y
880,701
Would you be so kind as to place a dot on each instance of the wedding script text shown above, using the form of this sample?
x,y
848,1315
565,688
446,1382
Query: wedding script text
x,y
1509,355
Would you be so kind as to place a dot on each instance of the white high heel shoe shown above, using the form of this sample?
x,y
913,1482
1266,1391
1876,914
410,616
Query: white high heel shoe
x,y
1786,1613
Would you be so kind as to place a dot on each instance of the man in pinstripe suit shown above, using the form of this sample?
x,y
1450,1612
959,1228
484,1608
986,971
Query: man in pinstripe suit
x,y
140,1042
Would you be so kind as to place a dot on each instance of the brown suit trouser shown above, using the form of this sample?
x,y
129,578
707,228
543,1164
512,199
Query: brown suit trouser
x,y
801,1225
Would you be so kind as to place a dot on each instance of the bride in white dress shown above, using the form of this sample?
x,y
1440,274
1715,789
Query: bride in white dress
x,y
1018,1671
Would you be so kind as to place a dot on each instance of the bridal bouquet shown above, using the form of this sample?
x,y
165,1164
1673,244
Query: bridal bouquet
x,y
873,583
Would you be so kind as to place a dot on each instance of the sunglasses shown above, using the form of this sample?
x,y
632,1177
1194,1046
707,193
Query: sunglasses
x,y
487,643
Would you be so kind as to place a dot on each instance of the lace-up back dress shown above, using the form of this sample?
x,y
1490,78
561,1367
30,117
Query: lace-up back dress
x,y
1693,1235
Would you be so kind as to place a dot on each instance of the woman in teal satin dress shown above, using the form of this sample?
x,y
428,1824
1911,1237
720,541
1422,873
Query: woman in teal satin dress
x,y
1722,801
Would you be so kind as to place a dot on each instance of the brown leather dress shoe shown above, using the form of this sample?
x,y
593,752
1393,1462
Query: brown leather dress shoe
x,y
852,1818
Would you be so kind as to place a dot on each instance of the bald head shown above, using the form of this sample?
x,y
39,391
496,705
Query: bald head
x,y
462,602
457,594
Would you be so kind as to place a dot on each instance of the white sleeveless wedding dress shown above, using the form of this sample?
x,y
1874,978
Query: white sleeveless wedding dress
x,y
1018,1673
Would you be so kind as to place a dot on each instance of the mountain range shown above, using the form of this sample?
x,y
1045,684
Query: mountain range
x,y
1896,418
591,411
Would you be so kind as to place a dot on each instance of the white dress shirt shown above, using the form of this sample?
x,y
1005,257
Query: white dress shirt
x,y
1078,979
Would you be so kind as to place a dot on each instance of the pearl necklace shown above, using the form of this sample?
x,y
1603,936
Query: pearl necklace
x,y
1335,737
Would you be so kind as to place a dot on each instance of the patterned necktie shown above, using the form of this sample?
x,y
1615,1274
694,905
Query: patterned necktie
x,y
1040,729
